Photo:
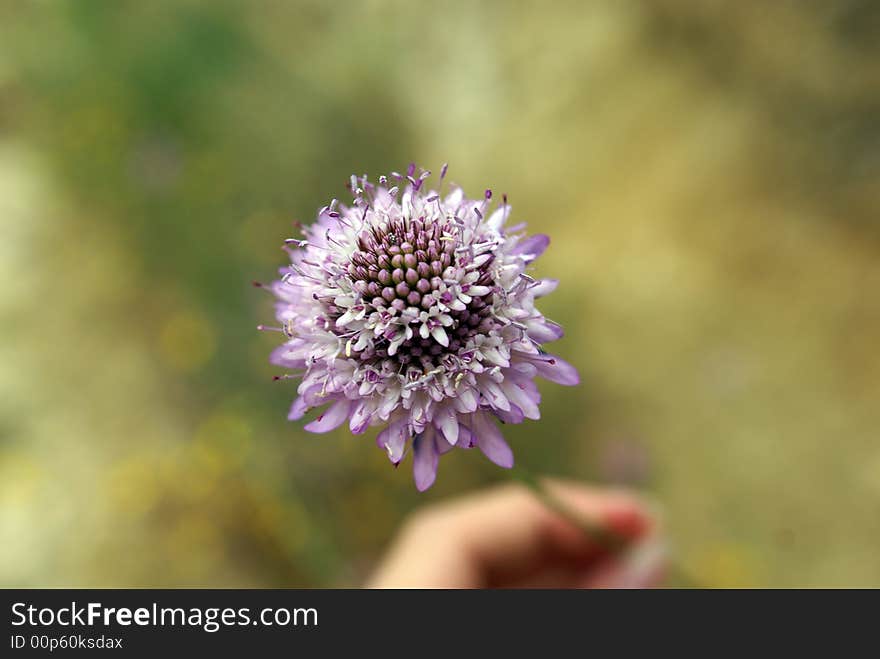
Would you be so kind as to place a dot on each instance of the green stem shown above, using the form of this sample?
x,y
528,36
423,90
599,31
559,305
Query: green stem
x,y
613,543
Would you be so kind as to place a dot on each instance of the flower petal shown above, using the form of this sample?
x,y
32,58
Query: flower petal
x,y
532,247
524,395
331,418
491,441
493,394
440,337
466,400
425,460
543,330
513,416
544,287
496,219
555,369
393,440
361,417
298,409
446,421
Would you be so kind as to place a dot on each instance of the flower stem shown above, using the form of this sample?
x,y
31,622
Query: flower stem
x,y
613,543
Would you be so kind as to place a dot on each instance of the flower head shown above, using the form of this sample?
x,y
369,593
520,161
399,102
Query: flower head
x,y
411,309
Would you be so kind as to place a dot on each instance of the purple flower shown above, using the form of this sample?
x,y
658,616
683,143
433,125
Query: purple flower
x,y
411,309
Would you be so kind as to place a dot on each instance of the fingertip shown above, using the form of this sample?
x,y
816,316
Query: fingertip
x,y
628,519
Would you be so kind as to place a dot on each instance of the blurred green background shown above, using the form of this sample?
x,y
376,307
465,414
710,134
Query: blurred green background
x,y
709,174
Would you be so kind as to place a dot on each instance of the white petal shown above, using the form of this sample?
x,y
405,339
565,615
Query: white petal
x,y
479,291
440,337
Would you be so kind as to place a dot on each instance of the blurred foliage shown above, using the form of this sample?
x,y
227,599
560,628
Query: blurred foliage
x,y
709,173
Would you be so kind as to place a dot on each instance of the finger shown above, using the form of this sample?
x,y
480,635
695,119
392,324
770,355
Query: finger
x,y
506,534
513,535
643,566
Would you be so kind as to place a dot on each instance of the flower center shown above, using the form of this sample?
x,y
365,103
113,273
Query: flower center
x,y
410,274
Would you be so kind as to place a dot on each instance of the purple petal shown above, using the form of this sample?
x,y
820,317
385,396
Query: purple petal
x,y
465,438
298,409
331,418
393,440
551,367
446,422
425,460
444,447
466,401
513,416
361,418
281,356
524,395
532,247
491,441
544,331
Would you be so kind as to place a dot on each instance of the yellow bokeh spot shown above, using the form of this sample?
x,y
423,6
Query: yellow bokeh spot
x,y
187,342
224,438
20,477
726,566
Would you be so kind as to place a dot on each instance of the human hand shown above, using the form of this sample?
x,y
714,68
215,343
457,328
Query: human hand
x,y
507,538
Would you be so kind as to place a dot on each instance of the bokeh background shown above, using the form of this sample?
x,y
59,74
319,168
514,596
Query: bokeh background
x,y
709,174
